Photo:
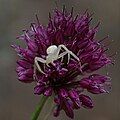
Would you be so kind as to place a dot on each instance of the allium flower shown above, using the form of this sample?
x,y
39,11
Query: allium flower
x,y
55,72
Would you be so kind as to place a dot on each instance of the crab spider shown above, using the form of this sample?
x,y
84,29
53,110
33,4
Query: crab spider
x,y
53,53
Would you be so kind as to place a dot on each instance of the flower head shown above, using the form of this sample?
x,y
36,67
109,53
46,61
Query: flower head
x,y
55,55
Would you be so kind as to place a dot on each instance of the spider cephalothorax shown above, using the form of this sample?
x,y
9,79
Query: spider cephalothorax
x,y
54,54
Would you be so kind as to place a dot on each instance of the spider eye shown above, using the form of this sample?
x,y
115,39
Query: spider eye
x,y
51,49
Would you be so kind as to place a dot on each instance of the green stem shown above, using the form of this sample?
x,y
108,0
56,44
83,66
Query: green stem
x,y
38,109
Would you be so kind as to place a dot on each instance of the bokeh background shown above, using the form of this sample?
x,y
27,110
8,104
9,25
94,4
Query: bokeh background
x,y
17,100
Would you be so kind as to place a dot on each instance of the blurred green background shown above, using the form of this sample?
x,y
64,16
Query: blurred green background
x,y
17,100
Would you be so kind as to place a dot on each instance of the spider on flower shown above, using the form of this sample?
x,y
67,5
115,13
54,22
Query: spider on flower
x,y
53,53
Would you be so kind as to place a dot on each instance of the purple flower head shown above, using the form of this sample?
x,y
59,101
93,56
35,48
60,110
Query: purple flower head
x,y
55,55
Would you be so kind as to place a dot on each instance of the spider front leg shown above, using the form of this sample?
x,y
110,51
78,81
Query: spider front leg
x,y
62,55
38,59
69,53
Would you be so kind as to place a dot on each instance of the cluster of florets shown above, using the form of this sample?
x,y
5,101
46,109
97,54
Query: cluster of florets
x,y
61,78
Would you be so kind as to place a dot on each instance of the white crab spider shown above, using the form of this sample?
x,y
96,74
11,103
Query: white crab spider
x,y
53,54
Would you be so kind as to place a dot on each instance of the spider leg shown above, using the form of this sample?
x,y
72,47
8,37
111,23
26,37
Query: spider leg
x,y
69,52
58,51
53,63
37,65
68,58
62,59
47,64
62,55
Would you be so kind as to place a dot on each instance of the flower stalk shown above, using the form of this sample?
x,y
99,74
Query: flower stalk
x,y
39,108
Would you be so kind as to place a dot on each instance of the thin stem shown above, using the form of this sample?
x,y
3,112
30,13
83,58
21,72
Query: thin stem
x,y
39,107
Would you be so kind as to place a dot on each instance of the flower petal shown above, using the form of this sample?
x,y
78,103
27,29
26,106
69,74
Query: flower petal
x,y
86,101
